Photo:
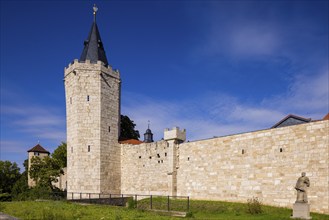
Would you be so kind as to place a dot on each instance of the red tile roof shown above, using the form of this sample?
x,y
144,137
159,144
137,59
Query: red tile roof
x,y
131,141
38,148
326,117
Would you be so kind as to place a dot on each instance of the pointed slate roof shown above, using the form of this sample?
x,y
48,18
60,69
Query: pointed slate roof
x,y
38,148
93,47
291,120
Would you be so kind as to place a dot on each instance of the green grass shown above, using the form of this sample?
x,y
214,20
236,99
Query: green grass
x,y
198,210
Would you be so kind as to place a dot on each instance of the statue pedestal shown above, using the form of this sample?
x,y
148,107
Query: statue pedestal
x,y
301,211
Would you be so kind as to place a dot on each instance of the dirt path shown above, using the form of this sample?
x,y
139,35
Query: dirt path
x,y
4,216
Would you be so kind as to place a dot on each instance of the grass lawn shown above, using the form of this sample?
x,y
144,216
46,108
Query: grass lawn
x,y
199,209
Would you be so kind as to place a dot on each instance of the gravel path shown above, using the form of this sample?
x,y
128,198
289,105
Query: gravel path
x,y
4,216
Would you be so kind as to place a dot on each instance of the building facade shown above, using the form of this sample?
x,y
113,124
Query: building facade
x,y
263,164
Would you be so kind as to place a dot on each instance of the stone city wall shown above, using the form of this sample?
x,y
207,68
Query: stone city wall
x,y
144,168
264,164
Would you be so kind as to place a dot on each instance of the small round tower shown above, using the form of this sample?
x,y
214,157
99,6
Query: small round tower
x,y
148,136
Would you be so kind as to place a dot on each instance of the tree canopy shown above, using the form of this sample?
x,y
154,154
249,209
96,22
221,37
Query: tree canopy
x,y
45,171
60,154
128,129
9,174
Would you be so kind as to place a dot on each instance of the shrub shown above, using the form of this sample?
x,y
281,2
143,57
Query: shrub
x,y
189,215
131,204
254,206
5,197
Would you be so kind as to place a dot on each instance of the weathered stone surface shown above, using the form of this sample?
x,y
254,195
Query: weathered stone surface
x,y
263,163
92,111
301,211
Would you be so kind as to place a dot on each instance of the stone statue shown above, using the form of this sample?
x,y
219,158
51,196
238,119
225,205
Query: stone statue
x,y
301,186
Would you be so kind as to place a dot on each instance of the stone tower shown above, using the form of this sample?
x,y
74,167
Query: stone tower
x,y
36,151
92,90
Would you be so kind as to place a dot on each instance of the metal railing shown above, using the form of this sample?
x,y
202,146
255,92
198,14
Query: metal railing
x,y
145,202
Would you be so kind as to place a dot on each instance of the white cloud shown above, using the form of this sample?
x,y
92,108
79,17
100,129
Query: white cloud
x,y
252,40
217,114
308,95
36,121
11,146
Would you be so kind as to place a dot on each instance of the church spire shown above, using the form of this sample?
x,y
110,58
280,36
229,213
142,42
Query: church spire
x,y
148,136
93,47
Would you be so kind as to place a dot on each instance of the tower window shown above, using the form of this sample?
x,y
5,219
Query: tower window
x,y
242,151
70,100
88,148
87,98
36,153
158,155
281,149
109,128
165,154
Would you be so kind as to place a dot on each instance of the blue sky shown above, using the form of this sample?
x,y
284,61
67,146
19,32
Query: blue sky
x,y
212,67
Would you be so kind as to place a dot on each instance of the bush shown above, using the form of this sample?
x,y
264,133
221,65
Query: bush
x,y
131,204
5,197
189,215
254,206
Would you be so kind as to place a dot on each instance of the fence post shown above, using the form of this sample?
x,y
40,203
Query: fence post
x,y
72,196
168,204
80,196
136,200
151,202
188,204
122,202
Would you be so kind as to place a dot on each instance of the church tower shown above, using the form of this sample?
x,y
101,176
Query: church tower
x,y
92,90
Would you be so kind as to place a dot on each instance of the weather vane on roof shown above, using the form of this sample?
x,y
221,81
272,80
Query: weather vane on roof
x,y
95,10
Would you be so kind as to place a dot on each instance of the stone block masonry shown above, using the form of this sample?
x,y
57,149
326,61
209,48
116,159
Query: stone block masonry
x,y
263,164
93,112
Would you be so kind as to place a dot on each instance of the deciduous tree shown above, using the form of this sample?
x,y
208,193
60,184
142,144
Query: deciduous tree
x,y
45,171
60,154
128,129
9,174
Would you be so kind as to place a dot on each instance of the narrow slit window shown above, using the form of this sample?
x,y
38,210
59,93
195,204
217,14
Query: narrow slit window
x,y
87,98
71,149
242,151
158,155
188,159
165,154
109,128
70,100
281,150
150,157
140,157
88,148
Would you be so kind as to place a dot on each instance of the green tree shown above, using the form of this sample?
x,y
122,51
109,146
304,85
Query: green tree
x,y
128,129
45,171
60,154
9,174
21,185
